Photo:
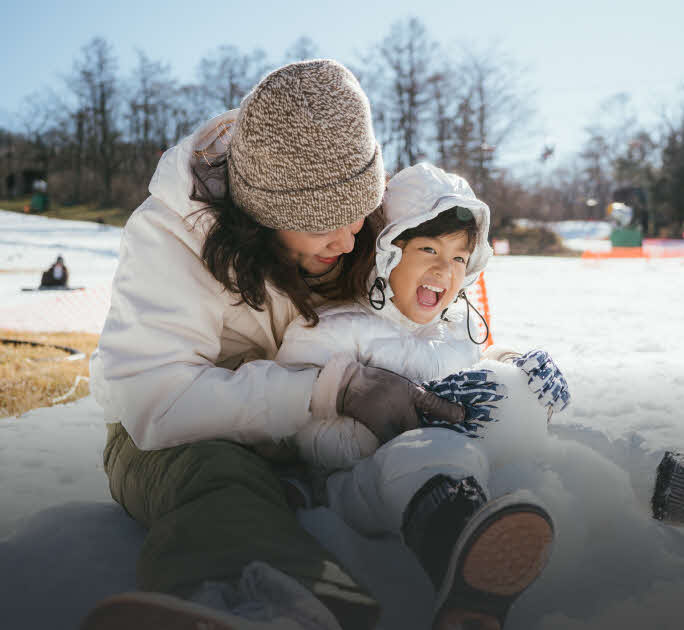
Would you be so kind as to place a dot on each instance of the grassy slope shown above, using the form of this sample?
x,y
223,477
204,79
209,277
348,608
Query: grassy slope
x,y
83,212
34,377
29,378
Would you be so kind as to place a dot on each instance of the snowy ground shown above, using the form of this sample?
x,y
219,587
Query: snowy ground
x,y
29,244
578,235
614,327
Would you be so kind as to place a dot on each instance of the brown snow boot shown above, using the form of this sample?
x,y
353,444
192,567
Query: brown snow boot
x,y
480,555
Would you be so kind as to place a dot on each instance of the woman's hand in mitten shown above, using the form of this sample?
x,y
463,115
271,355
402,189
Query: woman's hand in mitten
x,y
387,403
474,389
545,379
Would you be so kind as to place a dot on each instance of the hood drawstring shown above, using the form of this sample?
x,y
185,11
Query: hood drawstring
x,y
462,294
378,285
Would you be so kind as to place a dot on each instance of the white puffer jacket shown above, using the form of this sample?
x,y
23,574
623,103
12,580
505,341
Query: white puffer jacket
x,y
386,340
178,361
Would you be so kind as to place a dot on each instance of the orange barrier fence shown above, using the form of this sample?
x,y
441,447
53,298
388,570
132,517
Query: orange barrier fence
x,y
477,294
651,248
616,252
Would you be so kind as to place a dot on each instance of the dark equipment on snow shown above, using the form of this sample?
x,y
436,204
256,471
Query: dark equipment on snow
x,y
668,495
56,276
57,288
636,198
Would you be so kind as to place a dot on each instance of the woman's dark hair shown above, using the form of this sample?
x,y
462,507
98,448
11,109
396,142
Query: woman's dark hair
x,y
455,219
243,254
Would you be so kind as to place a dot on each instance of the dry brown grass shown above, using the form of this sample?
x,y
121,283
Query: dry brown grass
x,y
30,377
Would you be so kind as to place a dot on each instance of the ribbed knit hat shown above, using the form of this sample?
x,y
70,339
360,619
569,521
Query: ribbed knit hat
x,y
303,155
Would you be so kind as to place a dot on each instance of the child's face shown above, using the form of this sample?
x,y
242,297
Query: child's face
x,y
429,274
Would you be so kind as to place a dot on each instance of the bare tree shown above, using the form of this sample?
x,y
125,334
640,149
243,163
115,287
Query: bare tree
x,y
303,48
189,109
8,178
442,92
597,172
616,152
668,187
95,84
38,118
399,81
462,139
150,113
227,75
559,194
495,111
452,119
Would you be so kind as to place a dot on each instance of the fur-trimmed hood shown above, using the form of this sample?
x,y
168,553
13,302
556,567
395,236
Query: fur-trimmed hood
x,y
416,195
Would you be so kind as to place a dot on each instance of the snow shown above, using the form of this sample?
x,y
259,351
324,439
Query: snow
x,y
614,328
29,244
569,230
578,235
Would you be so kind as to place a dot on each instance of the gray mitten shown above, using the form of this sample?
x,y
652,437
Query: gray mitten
x,y
389,404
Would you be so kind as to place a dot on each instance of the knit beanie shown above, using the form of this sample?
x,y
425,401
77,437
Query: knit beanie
x,y
303,155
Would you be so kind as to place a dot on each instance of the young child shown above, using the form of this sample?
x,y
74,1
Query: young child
x,y
434,244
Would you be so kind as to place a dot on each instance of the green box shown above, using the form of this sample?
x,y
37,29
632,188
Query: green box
x,y
39,202
626,237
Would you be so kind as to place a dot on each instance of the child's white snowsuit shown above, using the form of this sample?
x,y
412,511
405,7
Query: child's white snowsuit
x,y
370,487
384,339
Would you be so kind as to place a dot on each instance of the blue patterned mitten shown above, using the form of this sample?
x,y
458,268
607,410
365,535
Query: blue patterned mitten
x,y
473,390
544,379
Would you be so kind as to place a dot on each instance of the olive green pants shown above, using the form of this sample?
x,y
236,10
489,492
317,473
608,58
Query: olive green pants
x,y
213,507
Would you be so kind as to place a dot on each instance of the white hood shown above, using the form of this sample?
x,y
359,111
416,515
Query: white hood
x,y
172,182
417,194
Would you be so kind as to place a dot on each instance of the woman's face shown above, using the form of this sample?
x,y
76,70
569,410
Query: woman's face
x,y
317,252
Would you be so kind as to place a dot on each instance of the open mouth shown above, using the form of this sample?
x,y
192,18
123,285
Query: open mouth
x,y
429,295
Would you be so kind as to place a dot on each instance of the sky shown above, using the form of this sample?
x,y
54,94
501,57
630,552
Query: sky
x,y
576,54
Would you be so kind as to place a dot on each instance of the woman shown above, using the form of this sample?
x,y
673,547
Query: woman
x,y
256,218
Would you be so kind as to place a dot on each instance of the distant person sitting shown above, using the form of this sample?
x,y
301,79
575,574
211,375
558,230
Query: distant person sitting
x,y
56,276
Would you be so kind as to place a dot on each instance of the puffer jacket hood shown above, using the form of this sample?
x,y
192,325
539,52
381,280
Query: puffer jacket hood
x,y
416,195
172,182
